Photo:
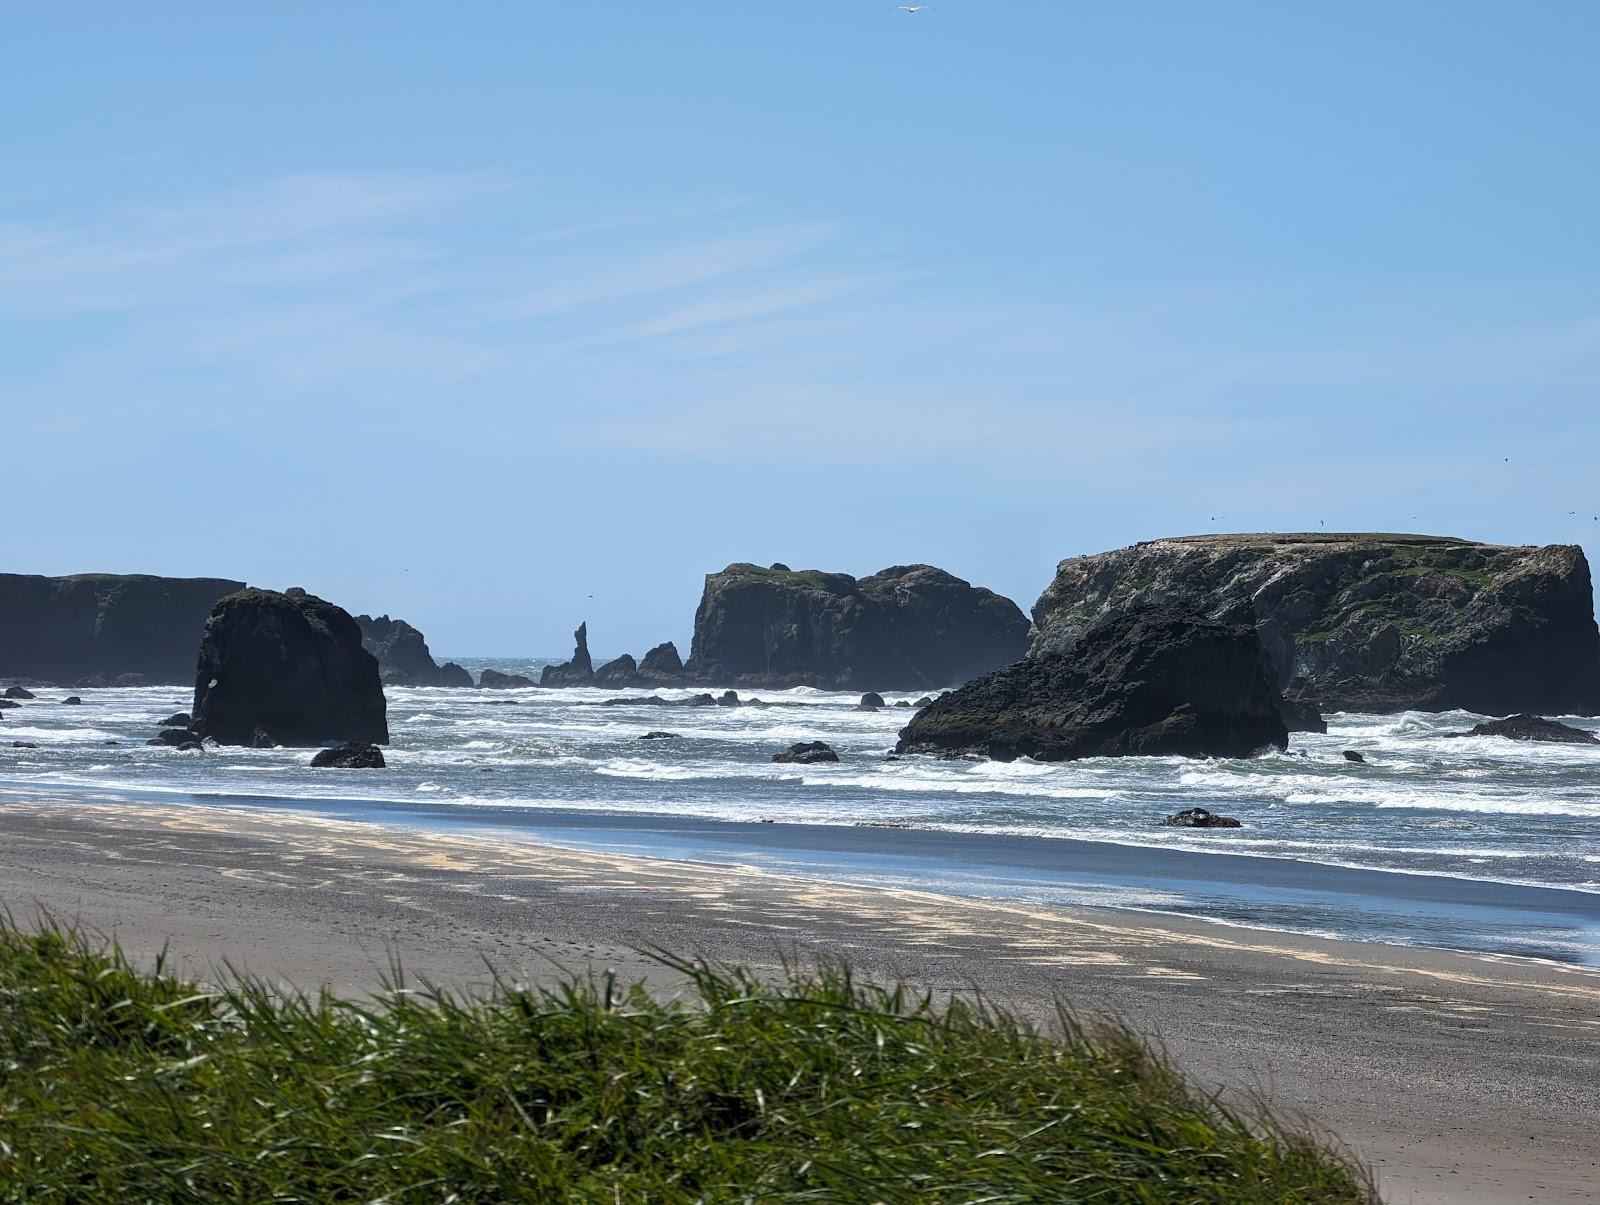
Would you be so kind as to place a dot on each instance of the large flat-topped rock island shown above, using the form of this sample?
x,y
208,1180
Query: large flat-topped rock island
x,y
1365,622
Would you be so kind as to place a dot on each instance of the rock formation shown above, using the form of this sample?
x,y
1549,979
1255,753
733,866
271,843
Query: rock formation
x,y
1200,818
493,679
289,667
403,656
1533,728
97,629
908,627
806,753
1366,622
350,757
577,672
662,666
1153,681
624,671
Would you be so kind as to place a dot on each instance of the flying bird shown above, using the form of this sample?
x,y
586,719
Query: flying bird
x,y
911,8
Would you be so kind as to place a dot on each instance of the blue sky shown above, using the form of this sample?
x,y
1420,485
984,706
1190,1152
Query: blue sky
x,y
467,313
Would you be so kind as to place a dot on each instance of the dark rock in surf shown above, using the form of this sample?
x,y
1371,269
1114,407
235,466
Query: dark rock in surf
x,y
730,698
9,705
1301,716
870,701
292,667
624,671
493,679
1352,755
662,665
23,745
903,703
72,701
454,676
181,719
1152,682
806,753
1533,728
577,672
19,692
350,757
1200,818
659,736
174,737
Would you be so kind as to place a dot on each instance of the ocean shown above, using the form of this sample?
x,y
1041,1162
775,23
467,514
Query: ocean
x,y
1480,844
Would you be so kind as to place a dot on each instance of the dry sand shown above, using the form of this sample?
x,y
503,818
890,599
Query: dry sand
x,y
1456,1077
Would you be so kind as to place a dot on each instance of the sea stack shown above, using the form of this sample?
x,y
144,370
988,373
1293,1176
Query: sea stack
x,y
1363,622
909,627
403,655
577,672
292,667
1157,681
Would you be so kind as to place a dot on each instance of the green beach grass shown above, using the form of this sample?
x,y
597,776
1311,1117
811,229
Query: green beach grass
x,y
122,1085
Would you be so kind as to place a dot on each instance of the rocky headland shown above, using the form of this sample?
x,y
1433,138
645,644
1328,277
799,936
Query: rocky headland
x,y
1153,681
102,629
403,655
909,627
286,669
1377,623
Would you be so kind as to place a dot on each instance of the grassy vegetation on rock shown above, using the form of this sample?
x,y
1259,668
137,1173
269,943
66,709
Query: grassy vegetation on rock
x,y
117,1085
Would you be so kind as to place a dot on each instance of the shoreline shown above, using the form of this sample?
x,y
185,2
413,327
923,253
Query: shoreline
x,y
1457,1077
1243,888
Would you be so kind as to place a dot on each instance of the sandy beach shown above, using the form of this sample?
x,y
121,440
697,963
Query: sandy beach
x,y
1456,1077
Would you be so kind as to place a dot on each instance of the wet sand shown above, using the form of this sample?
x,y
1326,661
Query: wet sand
x,y
1456,1077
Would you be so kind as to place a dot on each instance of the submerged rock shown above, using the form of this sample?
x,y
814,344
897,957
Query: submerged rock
x,y
493,679
180,719
1153,682
292,667
659,736
807,752
908,627
72,701
350,757
1352,755
577,672
1200,818
1365,622
19,692
1533,728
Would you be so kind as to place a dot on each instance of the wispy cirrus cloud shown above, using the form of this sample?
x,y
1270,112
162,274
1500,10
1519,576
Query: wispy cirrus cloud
x,y
467,269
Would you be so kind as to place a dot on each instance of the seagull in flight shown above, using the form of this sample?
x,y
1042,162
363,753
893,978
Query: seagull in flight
x,y
913,9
